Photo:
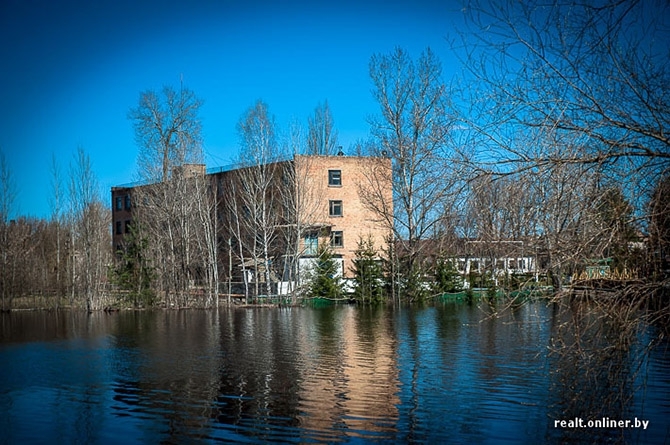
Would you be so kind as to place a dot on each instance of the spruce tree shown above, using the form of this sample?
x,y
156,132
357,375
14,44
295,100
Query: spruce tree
x,y
133,272
447,278
368,274
326,281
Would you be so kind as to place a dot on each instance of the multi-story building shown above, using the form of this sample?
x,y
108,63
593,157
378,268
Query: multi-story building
x,y
341,203
337,200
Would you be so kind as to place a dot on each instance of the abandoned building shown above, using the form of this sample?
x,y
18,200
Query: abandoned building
x,y
309,200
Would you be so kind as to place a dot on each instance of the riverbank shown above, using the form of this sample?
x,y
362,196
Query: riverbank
x,y
601,289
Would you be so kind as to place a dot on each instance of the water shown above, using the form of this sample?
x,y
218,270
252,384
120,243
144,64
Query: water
x,y
447,374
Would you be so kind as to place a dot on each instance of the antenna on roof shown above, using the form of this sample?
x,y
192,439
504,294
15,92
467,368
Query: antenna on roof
x,y
339,151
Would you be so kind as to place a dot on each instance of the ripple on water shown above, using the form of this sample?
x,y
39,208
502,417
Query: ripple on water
x,y
438,374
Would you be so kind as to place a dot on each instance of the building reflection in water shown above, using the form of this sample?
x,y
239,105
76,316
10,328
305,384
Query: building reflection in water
x,y
350,382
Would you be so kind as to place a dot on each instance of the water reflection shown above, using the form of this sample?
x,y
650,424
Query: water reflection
x,y
452,373
601,357
349,381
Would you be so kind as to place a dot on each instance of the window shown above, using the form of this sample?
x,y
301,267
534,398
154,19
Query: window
x,y
336,238
311,243
118,228
127,202
335,178
119,203
335,208
128,226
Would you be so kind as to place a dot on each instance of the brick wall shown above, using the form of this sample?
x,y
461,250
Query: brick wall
x,y
357,220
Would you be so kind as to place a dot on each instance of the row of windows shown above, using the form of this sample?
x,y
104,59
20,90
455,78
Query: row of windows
x,y
122,202
312,241
122,227
335,208
334,180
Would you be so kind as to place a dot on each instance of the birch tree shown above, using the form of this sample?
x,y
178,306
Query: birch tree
x,y
206,203
90,231
259,156
321,134
168,133
412,129
301,203
7,197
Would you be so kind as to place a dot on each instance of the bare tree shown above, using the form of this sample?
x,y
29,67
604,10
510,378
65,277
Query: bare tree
x,y
57,205
595,70
168,132
321,136
170,162
7,196
206,202
302,202
259,196
412,130
575,93
90,232
7,190
659,228
592,76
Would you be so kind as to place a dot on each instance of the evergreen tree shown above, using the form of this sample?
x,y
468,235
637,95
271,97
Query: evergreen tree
x,y
368,274
447,278
326,280
616,215
133,272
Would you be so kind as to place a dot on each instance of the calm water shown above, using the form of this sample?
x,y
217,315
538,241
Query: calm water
x,y
445,374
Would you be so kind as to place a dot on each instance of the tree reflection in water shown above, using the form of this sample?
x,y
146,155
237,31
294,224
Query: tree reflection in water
x,y
600,355
452,372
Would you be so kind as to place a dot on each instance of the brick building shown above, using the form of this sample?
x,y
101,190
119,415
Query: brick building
x,y
342,212
337,195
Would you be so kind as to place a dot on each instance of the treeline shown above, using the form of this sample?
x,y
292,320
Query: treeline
x,y
63,260
554,139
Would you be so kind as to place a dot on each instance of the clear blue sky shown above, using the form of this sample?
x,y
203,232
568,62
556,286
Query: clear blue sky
x,y
71,70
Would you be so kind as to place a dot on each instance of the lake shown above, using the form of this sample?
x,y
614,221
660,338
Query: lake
x,y
447,373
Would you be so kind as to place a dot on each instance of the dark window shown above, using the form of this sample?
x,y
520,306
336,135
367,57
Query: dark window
x,y
118,228
336,238
127,226
335,178
119,203
311,243
127,200
335,208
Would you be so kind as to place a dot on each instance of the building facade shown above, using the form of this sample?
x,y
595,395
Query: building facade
x,y
305,202
338,206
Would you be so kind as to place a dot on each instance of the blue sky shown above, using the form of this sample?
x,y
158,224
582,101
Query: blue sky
x,y
71,70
